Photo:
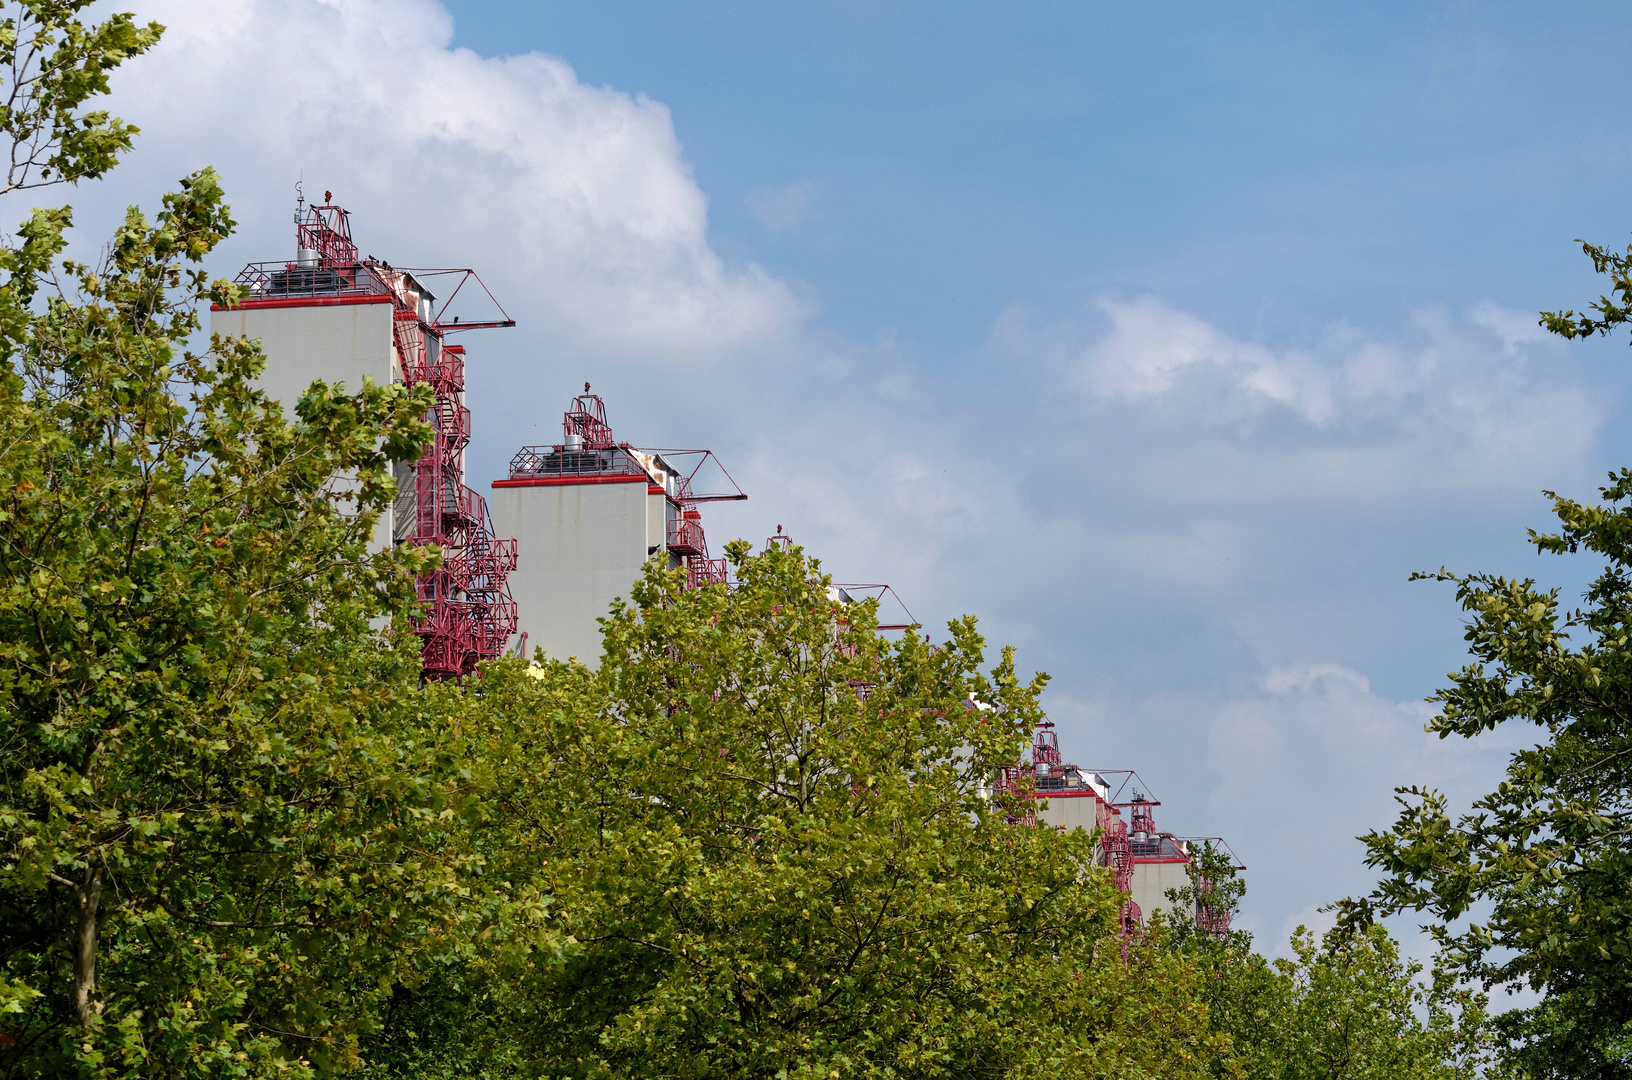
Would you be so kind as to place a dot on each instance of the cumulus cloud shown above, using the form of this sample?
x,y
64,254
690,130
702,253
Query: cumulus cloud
x,y
1476,377
1319,754
1151,347
1324,716
1154,460
871,512
1290,769
1213,543
1452,406
584,191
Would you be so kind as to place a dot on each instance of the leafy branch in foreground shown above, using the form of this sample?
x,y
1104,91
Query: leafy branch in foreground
x,y
1548,854
1347,1005
1610,312
54,63
1532,886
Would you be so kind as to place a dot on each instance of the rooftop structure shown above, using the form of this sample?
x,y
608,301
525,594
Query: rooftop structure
x,y
1144,863
1160,861
331,314
892,610
588,512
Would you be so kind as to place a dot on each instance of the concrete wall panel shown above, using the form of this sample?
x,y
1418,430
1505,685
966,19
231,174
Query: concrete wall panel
x,y
338,343
1072,812
578,547
1151,882
657,532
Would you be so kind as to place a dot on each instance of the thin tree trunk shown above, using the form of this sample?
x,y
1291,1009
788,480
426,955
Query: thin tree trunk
x,y
89,896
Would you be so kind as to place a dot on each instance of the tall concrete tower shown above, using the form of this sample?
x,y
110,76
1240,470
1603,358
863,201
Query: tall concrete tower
x,y
335,316
1144,864
587,514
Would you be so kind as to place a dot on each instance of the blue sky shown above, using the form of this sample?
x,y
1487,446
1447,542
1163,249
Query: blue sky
x,y
1169,341
1272,167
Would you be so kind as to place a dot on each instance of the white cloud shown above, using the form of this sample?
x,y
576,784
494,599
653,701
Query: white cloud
x,y
780,209
1151,347
445,157
1290,770
870,512
1469,375
1321,713
1308,760
1451,407
1252,504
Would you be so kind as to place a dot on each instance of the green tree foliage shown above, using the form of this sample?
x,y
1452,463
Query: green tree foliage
x,y
224,817
53,64
239,838
1546,854
1345,1008
1348,1008
1533,886
770,836
1610,313
1201,912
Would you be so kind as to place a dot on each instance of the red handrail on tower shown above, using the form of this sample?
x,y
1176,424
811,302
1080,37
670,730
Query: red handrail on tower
x,y
584,426
326,231
1045,747
1144,820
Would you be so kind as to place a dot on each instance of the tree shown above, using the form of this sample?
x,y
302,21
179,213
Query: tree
x,y
54,65
1533,886
226,819
771,837
1349,1008
1345,1008
1202,911
1547,853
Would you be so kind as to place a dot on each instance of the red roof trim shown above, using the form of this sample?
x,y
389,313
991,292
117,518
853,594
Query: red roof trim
x,y
654,489
306,301
567,481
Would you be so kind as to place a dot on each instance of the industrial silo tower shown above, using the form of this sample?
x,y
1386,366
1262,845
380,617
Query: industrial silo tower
x,y
1145,864
587,514
335,316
